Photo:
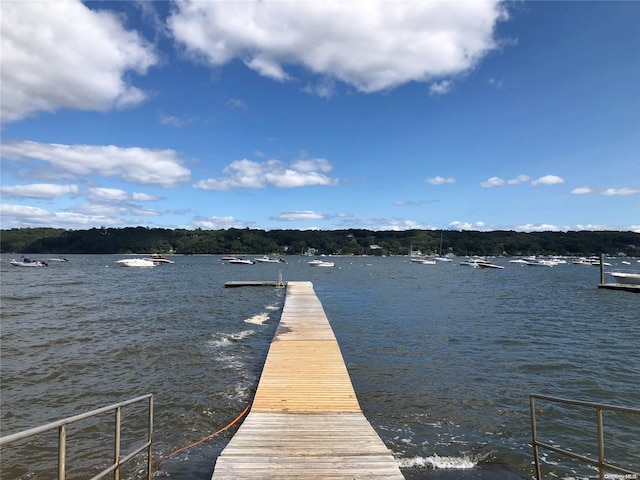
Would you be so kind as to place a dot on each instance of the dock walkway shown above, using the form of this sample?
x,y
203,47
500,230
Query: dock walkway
x,y
305,421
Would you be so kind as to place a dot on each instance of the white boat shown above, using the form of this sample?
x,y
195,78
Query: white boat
x,y
541,262
629,278
423,260
158,259
521,261
443,259
473,262
136,262
27,262
61,259
321,263
487,264
268,259
241,261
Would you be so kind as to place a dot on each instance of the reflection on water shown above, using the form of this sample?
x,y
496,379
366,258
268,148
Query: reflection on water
x,y
442,357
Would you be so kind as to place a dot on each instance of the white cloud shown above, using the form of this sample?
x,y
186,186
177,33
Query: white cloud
x,y
302,215
519,179
480,226
621,191
135,165
64,55
548,180
249,174
499,182
440,88
220,223
21,216
371,45
581,191
38,190
541,227
440,180
493,182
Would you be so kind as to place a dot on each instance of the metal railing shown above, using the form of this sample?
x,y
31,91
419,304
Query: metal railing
x,y
61,426
602,465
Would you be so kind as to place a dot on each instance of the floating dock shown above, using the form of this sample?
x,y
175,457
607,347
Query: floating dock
x,y
627,287
305,421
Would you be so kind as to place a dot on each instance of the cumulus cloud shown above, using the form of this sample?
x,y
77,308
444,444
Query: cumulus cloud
x,y
220,223
519,179
21,216
581,191
499,182
457,225
541,227
371,45
621,191
115,194
493,182
39,72
45,191
302,215
136,165
440,180
548,180
249,174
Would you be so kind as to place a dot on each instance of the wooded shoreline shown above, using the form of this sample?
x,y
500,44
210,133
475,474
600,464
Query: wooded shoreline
x,y
316,242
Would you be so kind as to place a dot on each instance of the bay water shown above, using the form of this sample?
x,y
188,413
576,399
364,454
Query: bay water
x,y
442,357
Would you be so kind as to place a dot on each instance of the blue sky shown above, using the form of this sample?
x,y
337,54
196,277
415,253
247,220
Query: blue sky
x,y
477,115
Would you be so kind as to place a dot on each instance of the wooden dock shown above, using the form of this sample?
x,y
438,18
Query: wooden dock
x,y
305,421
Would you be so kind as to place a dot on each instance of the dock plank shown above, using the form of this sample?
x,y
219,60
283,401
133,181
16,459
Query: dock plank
x,y
305,421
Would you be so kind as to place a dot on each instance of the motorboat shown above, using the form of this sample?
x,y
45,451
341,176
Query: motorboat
x,y
321,263
241,261
57,259
27,262
541,262
423,260
473,262
628,278
159,259
487,264
268,259
136,262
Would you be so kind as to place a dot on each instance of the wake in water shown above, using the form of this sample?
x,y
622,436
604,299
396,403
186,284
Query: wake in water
x,y
438,462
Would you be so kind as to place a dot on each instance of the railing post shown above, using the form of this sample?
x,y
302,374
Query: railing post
x,y
116,447
601,469
534,437
62,451
150,439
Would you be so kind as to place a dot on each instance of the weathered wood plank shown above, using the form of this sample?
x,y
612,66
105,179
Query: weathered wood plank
x,y
305,421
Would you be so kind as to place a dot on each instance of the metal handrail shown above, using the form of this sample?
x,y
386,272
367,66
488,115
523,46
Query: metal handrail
x,y
602,465
61,426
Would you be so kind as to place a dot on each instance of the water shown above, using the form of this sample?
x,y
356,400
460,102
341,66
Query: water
x,y
442,357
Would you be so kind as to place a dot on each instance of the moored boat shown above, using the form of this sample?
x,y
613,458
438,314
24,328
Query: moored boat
x,y
628,278
268,259
158,259
136,262
241,261
321,263
27,262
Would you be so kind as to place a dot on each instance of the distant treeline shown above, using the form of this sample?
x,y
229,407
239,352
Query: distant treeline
x,y
295,242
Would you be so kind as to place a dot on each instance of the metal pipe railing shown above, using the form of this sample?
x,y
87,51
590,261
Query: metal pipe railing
x,y
601,463
61,426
